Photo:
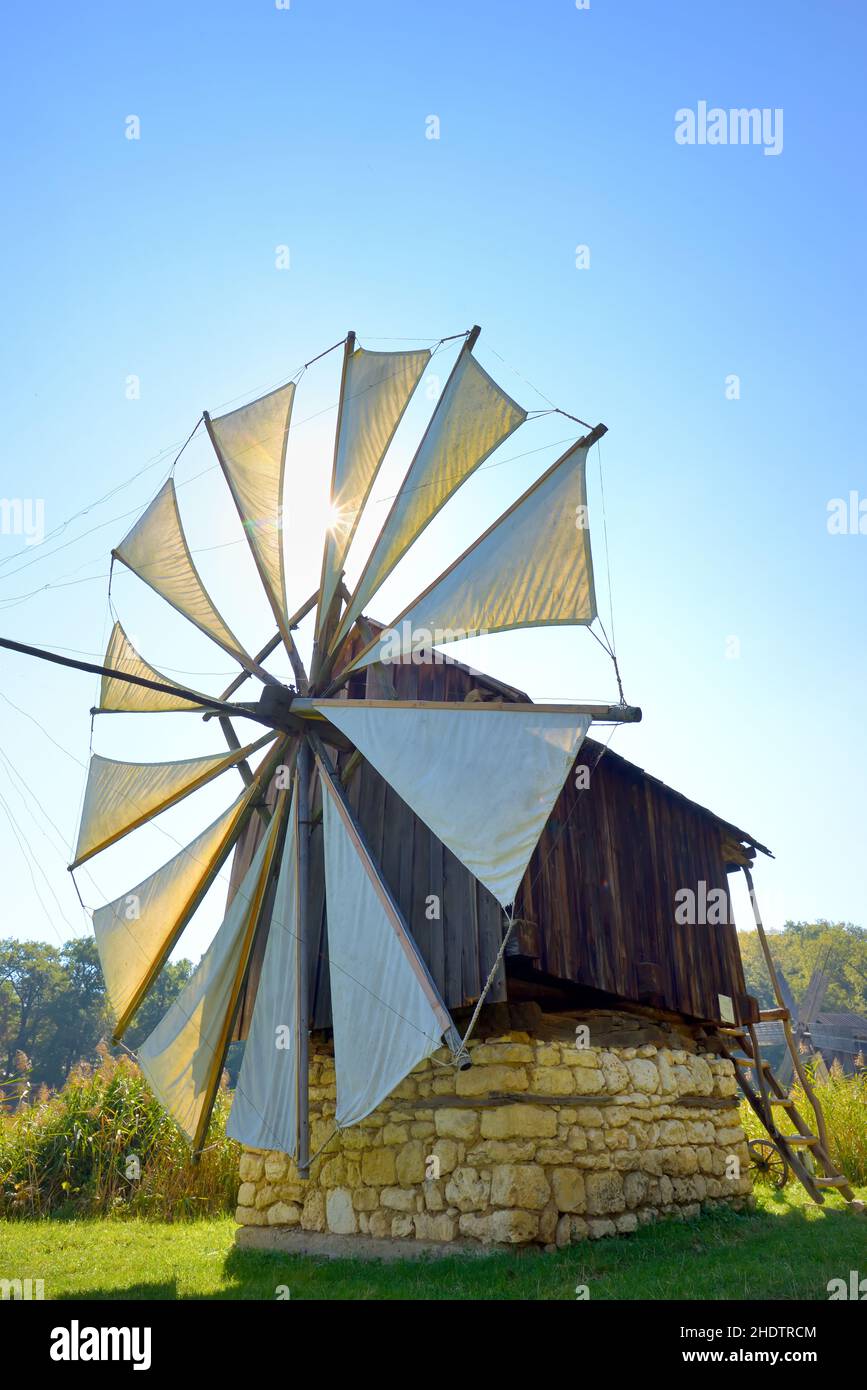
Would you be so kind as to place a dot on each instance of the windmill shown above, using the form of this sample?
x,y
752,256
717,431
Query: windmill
x,y
483,776
802,1018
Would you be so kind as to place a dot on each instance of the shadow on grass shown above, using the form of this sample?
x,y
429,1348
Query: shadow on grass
x,y
162,1291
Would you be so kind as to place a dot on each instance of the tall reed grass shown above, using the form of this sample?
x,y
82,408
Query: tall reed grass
x,y
844,1104
103,1145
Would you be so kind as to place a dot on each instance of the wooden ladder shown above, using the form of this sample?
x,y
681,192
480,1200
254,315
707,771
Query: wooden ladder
x,y
767,1096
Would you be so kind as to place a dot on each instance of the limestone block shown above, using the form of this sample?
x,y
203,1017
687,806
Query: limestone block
x,y
725,1086
265,1195
397,1198
502,1151
247,1194
615,1073
434,1198
702,1076
339,1214
577,1139
589,1116
501,1054
250,1216
435,1227
567,1185
672,1132
379,1167
627,1223
251,1167
604,1193
407,1090
730,1138
275,1166
514,1227
313,1211
548,1055
521,1185
423,1129
548,1226
410,1165
380,1223
599,1228
480,1081
635,1187
475,1226
401,1227
553,1081
282,1214
395,1134
643,1075
457,1124
561,1156
333,1172
586,1080
356,1138
519,1122
446,1151
467,1190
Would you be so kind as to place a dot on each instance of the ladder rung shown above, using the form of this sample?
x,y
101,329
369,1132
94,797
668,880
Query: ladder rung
x,y
782,1100
831,1182
773,1015
799,1138
750,1062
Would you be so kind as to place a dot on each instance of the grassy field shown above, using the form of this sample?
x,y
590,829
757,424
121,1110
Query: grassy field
x,y
786,1249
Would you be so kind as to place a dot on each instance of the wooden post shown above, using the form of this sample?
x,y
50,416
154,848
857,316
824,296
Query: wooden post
x,y
302,773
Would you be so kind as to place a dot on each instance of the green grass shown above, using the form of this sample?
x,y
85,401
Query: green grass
x,y
787,1249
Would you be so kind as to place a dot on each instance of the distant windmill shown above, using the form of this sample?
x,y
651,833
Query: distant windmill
x,y
803,1016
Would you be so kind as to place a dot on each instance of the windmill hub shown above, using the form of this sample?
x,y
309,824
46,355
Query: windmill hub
x,y
275,705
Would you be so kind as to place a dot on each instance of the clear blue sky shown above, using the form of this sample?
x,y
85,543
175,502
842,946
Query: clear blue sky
x,y
305,127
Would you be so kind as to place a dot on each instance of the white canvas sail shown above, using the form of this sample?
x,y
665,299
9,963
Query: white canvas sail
x,y
533,567
116,696
156,550
264,1112
473,417
251,447
183,1056
386,1013
376,390
484,780
135,932
121,796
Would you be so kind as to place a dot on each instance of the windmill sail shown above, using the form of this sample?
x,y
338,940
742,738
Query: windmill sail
x,y
377,387
136,932
156,550
264,1112
250,444
387,1014
484,780
473,417
121,796
183,1056
533,567
116,696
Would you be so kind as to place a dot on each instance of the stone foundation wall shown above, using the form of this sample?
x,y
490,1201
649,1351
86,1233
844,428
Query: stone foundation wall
x,y
541,1141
